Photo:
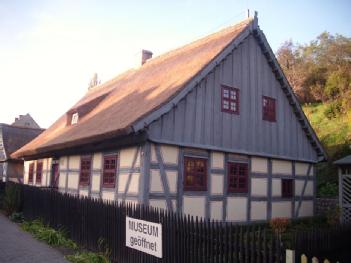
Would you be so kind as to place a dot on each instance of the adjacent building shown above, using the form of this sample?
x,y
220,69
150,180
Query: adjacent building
x,y
211,129
13,137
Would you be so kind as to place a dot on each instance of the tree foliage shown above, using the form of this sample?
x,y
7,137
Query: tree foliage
x,y
319,71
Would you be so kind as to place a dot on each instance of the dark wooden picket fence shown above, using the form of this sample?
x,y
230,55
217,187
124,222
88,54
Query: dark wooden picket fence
x,y
332,243
185,239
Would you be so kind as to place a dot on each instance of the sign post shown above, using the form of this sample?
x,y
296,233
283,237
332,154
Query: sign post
x,y
144,236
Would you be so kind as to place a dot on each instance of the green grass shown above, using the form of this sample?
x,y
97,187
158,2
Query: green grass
x,y
333,128
333,131
87,257
56,238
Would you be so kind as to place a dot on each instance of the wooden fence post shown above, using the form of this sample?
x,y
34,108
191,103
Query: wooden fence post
x,y
289,256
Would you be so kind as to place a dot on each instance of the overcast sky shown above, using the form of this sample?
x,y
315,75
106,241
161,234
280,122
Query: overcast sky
x,y
50,49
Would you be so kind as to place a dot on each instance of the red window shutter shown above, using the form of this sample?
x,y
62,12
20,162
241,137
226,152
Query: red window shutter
x,y
195,174
30,173
238,177
39,173
109,171
268,109
85,170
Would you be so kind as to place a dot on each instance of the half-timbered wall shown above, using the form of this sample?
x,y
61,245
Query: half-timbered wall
x,y
46,172
197,120
127,183
262,201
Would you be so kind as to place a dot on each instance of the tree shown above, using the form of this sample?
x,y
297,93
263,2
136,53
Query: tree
x,y
320,70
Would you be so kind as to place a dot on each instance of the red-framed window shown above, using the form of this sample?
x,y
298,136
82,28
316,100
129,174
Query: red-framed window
x,y
85,170
230,99
268,109
109,171
39,173
30,173
237,177
195,174
287,188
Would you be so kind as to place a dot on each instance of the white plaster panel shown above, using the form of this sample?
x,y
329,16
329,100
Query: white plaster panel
x,y
172,177
122,182
63,163
169,154
25,171
217,160
74,162
158,203
258,210
43,178
306,208
281,167
62,181
259,165
134,183
174,205
259,186
83,193
95,182
194,206
216,184
155,181
127,157
153,153
97,161
108,195
73,180
216,210
237,209
299,188
281,209
301,168
276,187
132,201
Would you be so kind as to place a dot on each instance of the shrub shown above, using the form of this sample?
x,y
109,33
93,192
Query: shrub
x,y
87,257
333,216
333,110
49,235
328,190
279,224
16,217
12,198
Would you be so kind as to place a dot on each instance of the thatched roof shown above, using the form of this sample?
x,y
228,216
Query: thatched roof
x,y
110,109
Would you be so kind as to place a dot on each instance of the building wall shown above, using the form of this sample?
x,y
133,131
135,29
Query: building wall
x,y
197,120
262,201
46,173
128,179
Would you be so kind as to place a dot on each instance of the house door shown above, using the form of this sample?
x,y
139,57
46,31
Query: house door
x,y
55,175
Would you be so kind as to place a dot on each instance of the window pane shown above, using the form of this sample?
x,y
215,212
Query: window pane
x,y
225,93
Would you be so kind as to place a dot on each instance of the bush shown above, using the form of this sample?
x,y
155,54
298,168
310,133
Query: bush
x,y
49,235
17,217
328,190
87,257
12,199
333,110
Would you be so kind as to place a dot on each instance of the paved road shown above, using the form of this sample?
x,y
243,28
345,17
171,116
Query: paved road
x,y
17,246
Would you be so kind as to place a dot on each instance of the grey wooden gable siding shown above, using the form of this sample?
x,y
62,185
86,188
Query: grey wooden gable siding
x,y
197,119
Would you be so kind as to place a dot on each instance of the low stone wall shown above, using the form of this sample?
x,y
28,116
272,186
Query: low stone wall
x,y
325,204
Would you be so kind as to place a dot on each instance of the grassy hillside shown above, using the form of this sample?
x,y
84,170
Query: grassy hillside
x,y
334,130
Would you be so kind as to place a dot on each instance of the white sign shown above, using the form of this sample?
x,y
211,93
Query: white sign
x,y
144,236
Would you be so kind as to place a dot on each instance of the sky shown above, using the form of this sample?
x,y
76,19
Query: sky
x,y
49,50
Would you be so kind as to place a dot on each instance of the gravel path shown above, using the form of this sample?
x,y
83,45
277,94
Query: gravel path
x,y
18,246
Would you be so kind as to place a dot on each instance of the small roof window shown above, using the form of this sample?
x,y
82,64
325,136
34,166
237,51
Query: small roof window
x,y
75,118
